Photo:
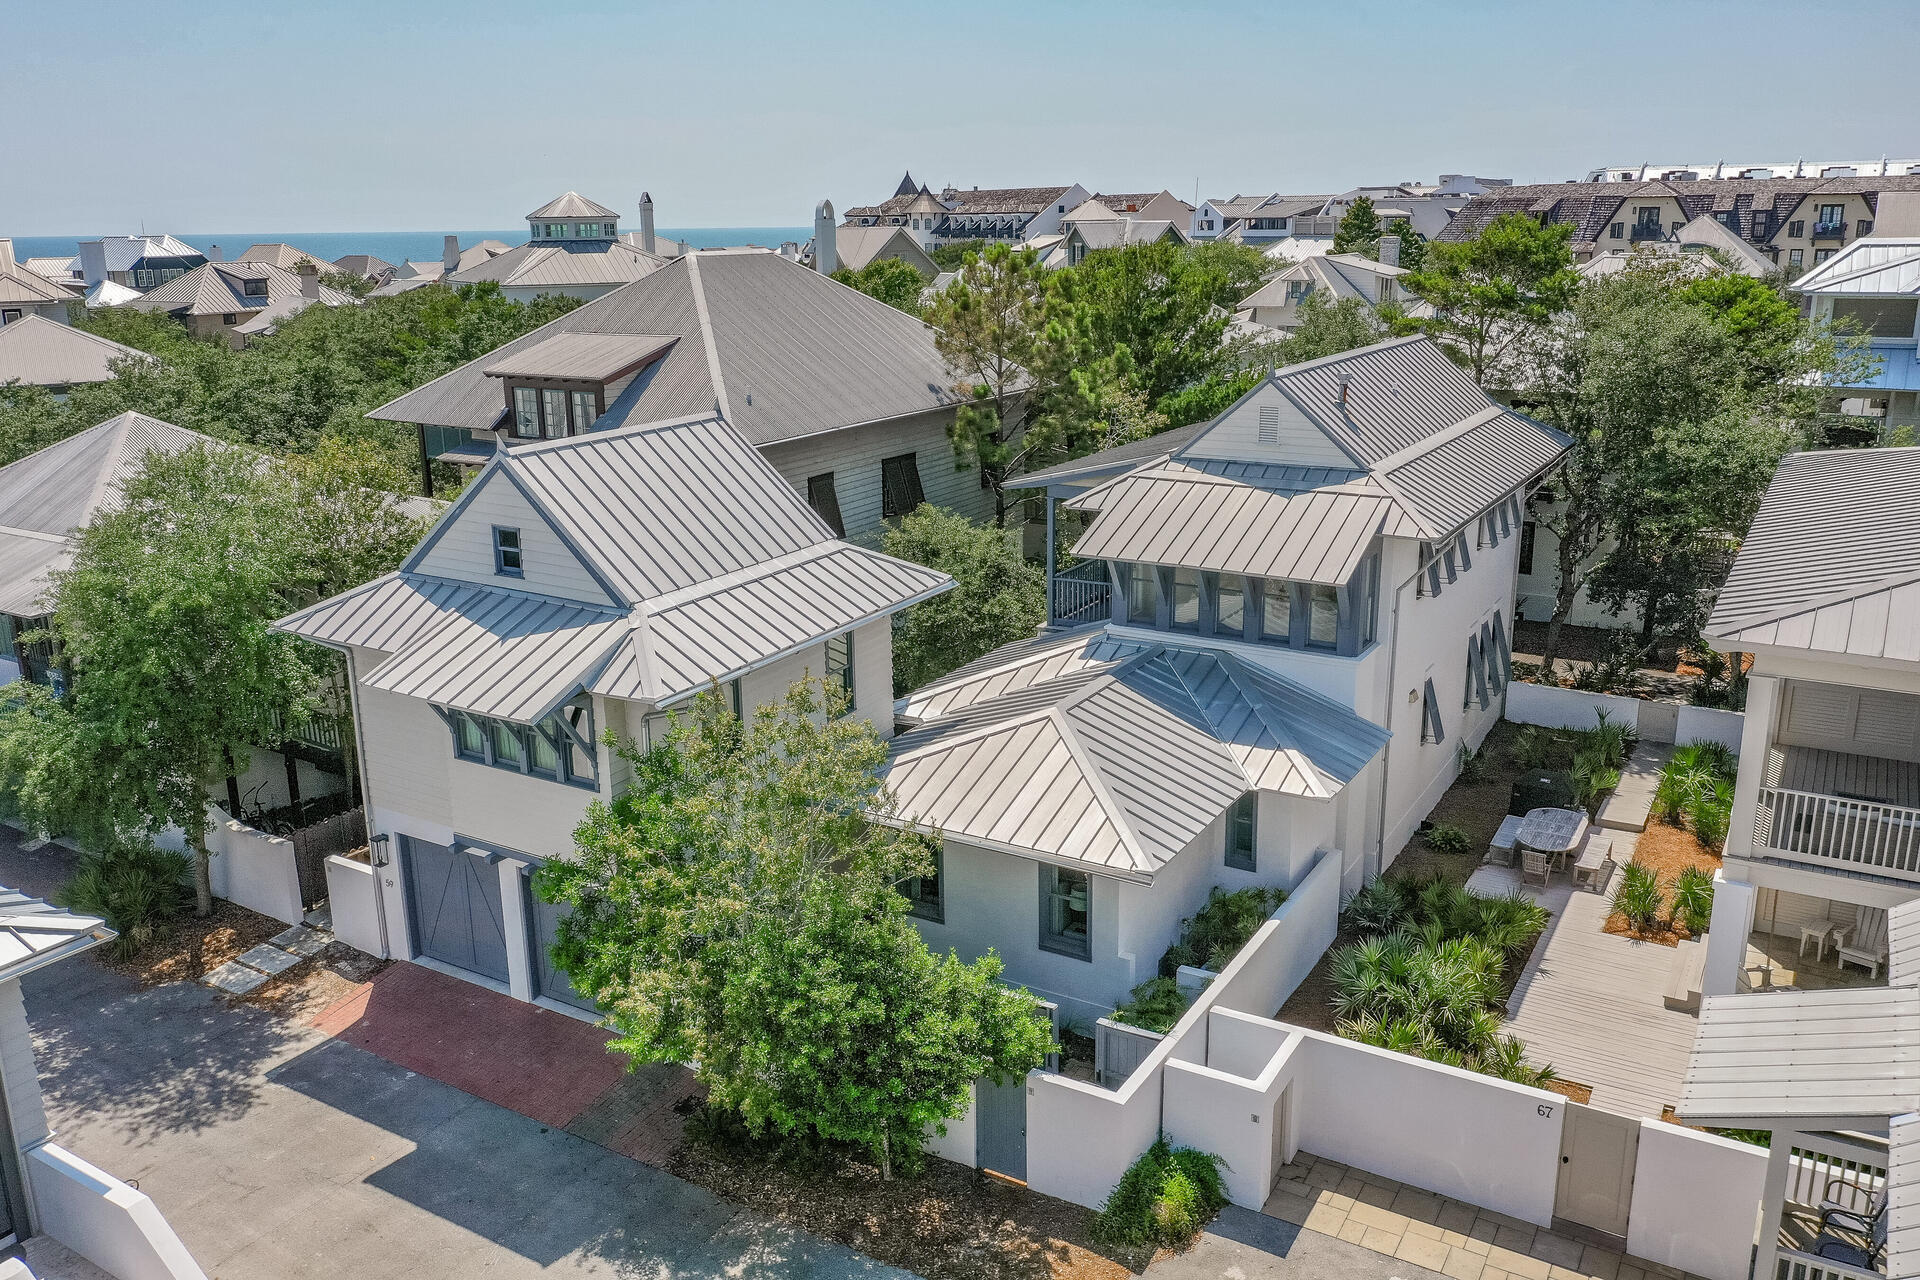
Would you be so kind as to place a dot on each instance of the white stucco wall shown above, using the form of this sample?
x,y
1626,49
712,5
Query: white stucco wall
x,y
350,894
1696,1201
254,869
104,1220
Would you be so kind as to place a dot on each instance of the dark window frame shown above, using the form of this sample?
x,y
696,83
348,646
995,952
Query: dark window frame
x,y
824,498
558,732
1528,531
840,668
901,490
921,906
1243,816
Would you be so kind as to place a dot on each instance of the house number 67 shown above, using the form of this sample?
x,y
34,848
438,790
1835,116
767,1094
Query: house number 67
x,y
1545,1110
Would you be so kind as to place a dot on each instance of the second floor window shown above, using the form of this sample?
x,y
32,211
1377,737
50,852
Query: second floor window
x,y
924,893
900,490
254,288
1830,214
526,413
586,409
840,663
1240,825
1186,599
1323,616
553,413
558,748
1276,610
826,502
1066,912
1230,606
1143,595
506,551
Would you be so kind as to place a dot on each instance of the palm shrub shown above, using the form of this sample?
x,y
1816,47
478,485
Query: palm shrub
x,y
1473,765
137,889
1710,812
1444,837
1610,739
1380,907
1532,748
1213,935
1639,898
1156,1005
1163,1198
1693,900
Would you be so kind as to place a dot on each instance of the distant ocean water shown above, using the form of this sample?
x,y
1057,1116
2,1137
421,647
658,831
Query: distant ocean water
x,y
398,246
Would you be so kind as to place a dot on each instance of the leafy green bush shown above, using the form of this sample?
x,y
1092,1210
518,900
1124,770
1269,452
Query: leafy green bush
x,y
1693,899
1532,748
1163,1198
1639,898
1213,935
1473,765
136,888
1710,813
1156,1005
1443,837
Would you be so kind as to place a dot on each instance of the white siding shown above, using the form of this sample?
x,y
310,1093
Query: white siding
x,y
19,1080
464,551
1871,722
1237,436
407,750
514,810
853,456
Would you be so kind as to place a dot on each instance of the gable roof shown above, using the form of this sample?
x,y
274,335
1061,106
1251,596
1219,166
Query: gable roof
x,y
858,246
1832,560
46,496
589,357
572,205
1869,266
1113,753
46,353
219,288
782,351
284,256
21,285
34,933
713,565
123,253
363,264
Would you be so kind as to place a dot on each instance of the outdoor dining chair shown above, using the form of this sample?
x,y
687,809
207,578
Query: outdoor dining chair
x,y
1847,1253
1534,863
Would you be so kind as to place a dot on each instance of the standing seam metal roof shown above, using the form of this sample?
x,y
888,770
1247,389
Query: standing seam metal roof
x,y
45,353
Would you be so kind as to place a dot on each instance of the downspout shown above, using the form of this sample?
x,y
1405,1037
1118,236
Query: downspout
x,y
1393,700
366,800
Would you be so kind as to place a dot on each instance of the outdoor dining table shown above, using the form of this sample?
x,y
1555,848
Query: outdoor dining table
x,y
1555,832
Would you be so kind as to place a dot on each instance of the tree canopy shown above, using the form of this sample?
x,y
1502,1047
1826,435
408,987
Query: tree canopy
x,y
998,598
737,909
1359,229
889,280
1488,291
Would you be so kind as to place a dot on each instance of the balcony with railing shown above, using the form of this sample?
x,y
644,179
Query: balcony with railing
x,y
1643,231
1080,595
1839,811
1845,1175
1828,231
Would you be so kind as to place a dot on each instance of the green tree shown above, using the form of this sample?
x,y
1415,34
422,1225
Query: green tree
x,y
1327,327
1489,292
998,596
889,280
1413,245
1359,229
951,257
736,910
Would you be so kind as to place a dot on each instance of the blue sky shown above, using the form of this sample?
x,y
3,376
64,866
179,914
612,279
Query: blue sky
x,y
233,115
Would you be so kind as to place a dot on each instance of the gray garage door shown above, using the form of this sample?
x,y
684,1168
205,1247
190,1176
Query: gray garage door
x,y
551,981
454,898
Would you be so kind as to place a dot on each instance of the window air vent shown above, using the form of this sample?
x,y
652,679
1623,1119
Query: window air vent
x,y
1270,424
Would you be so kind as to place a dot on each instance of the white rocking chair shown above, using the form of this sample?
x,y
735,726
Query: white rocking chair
x,y
1868,947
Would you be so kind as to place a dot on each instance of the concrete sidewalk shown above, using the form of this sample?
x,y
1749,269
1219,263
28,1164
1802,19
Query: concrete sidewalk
x,y
1244,1245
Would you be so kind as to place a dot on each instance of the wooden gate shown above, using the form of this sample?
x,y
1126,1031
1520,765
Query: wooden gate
x,y
313,845
1000,1133
1118,1049
1597,1153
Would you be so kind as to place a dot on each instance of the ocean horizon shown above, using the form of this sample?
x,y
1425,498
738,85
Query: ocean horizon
x,y
398,246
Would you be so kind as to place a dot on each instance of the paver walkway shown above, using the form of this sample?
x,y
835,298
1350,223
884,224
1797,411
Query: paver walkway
x,y
1455,1239
1593,1004
1631,804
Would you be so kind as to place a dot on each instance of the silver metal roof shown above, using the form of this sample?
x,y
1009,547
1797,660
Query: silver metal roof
x,y
714,564
573,262
1817,1059
1873,266
46,496
1268,521
1832,560
34,933
18,284
1122,457
1903,944
591,357
780,350
45,353
281,255
219,288
572,205
1118,760
1903,1197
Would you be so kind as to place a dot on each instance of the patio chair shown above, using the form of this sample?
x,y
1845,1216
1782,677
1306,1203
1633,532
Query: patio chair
x,y
1847,1253
1842,1212
1534,863
1868,949
1500,848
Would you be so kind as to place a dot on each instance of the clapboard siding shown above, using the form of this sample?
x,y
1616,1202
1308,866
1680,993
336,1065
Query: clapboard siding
x,y
465,550
408,750
853,456
1298,442
1874,722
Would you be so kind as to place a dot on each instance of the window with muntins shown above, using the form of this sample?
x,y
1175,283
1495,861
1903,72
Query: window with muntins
x,y
553,413
506,551
900,490
1185,599
526,413
1240,832
1066,912
840,663
1229,606
558,748
1323,616
1143,594
1276,611
586,409
825,502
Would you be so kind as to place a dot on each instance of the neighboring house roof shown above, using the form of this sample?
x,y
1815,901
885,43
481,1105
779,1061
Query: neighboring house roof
x,y
711,564
1111,752
856,247
122,253
1115,232
18,285
976,201
47,495
593,357
1832,560
562,264
219,288
1428,451
61,270
1120,457
284,256
1729,252
1338,275
1873,266
110,293
34,934
572,205
780,350
363,264
45,353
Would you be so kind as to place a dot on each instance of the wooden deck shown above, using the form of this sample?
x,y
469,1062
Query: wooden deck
x,y
1592,1003
1835,773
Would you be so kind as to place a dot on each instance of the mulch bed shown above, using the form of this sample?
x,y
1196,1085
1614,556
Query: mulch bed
x,y
192,945
949,1222
1571,1089
1667,851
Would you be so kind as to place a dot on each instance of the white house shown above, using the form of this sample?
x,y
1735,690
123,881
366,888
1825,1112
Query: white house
x,y
1285,625
578,586
1872,288
1276,304
848,398
574,249
1825,832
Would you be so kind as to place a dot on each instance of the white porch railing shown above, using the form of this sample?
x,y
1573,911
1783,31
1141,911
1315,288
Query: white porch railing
x,y
1829,830
1827,1168
1794,1265
1080,595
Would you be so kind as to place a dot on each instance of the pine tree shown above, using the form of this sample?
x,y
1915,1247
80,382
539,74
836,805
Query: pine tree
x,y
1359,230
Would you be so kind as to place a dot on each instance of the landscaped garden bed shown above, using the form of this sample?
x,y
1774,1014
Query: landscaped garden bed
x,y
1665,894
1209,939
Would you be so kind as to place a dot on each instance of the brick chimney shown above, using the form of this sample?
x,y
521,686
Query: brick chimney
x,y
1389,251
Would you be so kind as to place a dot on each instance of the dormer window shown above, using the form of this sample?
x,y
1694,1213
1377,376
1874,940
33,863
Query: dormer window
x,y
526,413
254,288
506,551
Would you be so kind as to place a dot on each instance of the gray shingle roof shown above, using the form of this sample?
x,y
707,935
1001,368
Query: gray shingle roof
x,y
44,353
1832,560
1118,755
572,205
783,351
716,565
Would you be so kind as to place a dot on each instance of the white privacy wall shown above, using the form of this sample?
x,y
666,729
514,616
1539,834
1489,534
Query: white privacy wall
x,y
1555,708
104,1220
1696,1200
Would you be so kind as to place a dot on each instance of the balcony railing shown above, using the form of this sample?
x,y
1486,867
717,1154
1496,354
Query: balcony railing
x,y
1848,1171
1080,595
1834,831
1646,231
1829,231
